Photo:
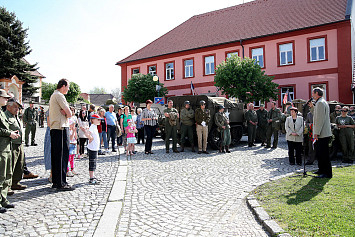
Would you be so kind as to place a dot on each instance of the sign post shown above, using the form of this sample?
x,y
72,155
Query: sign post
x,y
159,100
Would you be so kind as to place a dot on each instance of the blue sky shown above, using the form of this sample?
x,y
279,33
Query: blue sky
x,y
81,40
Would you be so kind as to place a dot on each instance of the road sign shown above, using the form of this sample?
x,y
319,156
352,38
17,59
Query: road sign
x,y
159,100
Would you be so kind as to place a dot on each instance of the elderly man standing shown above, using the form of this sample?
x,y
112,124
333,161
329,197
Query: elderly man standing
x,y
59,112
29,119
187,118
274,116
252,120
5,154
222,122
111,121
322,132
18,158
171,117
262,123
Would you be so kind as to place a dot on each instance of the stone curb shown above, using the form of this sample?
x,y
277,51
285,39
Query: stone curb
x,y
270,225
113,209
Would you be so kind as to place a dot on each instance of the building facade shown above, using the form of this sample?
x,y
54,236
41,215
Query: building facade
x,y
13,85
303,44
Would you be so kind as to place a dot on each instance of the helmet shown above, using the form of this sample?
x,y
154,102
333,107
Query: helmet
x,y
187,102
202,102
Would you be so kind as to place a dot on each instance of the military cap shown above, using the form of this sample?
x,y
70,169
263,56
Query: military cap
x,y
202,102
15,100
262,105
187,102
4,94
294,108
220,107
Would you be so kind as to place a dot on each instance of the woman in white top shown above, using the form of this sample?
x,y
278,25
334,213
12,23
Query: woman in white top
x,y
294,135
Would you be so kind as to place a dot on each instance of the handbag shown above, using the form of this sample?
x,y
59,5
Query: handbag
x,y
118,131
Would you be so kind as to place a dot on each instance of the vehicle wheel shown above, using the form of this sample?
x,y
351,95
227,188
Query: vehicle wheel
x,y
214,139
236,134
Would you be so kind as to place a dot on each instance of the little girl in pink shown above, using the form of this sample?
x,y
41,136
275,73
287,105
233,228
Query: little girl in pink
x,y
131,139
72,147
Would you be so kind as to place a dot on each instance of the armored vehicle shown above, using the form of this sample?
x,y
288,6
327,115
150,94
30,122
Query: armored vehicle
x,y
235,112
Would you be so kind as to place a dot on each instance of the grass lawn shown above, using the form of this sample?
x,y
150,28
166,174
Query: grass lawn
x,y
307,206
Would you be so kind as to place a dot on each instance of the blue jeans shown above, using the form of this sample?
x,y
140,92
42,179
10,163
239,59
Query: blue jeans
x,y
103,136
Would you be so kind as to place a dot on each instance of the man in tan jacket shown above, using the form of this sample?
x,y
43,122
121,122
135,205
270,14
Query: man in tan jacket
x,y
322,132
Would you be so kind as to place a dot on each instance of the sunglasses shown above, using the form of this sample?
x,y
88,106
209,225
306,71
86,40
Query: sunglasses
x,y
344,111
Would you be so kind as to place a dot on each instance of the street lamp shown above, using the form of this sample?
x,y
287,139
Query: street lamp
x,y
157,87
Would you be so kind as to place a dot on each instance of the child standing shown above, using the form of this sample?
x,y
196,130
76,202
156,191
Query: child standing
x,y
94,145
131,139
72,147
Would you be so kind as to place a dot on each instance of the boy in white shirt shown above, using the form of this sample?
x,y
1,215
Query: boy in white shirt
x,y
93,147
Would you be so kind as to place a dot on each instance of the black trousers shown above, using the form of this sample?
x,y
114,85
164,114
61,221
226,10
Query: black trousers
x,y
292,147
59,156
321,148
140,135
149,131
82,142
111,135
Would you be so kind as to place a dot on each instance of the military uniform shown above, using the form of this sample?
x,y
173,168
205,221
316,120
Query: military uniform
x,y
346,137
18,158
251,115
187,118
29,118
5,159
273,127
171,129
262,124
222,120
333,116
202,131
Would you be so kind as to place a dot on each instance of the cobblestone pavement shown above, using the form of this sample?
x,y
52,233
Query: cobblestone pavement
x,y
188,194
42,211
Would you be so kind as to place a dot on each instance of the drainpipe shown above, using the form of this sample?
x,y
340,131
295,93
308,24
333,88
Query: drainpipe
x,y
241,43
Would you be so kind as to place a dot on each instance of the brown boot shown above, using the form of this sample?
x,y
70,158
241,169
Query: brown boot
x,y
182,148
227,149
193,148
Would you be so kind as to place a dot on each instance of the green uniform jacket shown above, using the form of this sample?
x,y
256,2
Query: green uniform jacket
x,y
333,116
172,110
251,115
275,115
221,120
262,118
202,116
14,125
4,133
187,116
30,116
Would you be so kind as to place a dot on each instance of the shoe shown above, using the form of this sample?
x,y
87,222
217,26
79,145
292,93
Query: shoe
x,y
74,172
26,145
324,176
205,152
267,146
66,187
134,152
167,151
10,206
3,210
227,149
78,157
101,153
70,174
199,152
309,163
151,152
262,144
10,192
273,147
147,152
113,150
30,176
93,181
18,187
253,144
176,151
34,144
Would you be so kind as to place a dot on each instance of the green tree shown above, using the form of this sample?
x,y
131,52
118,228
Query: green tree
x,y
72,96
244,79
98,90
141,88
13,48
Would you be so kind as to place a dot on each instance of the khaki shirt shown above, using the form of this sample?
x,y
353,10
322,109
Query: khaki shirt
x,y
56,103
14,125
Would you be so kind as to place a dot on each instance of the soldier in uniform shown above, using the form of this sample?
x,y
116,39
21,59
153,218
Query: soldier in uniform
x,y
29,119
252,120
171,117
262,123
202,117
5,154
274,116
187,118
18,158
222,122
346,126
335,113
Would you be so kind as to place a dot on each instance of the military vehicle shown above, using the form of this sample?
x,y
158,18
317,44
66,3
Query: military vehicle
x,y
235,111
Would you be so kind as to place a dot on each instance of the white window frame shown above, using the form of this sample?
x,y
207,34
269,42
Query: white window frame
x,y
292,93
153,73
289,61
169,72
232,53
316,46
135,70
189,69
257,103
257,55
209,66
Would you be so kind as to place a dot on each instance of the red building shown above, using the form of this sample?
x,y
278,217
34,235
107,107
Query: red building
x,y
302,43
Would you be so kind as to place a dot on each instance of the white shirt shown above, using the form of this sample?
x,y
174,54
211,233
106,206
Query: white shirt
x,y
94,145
